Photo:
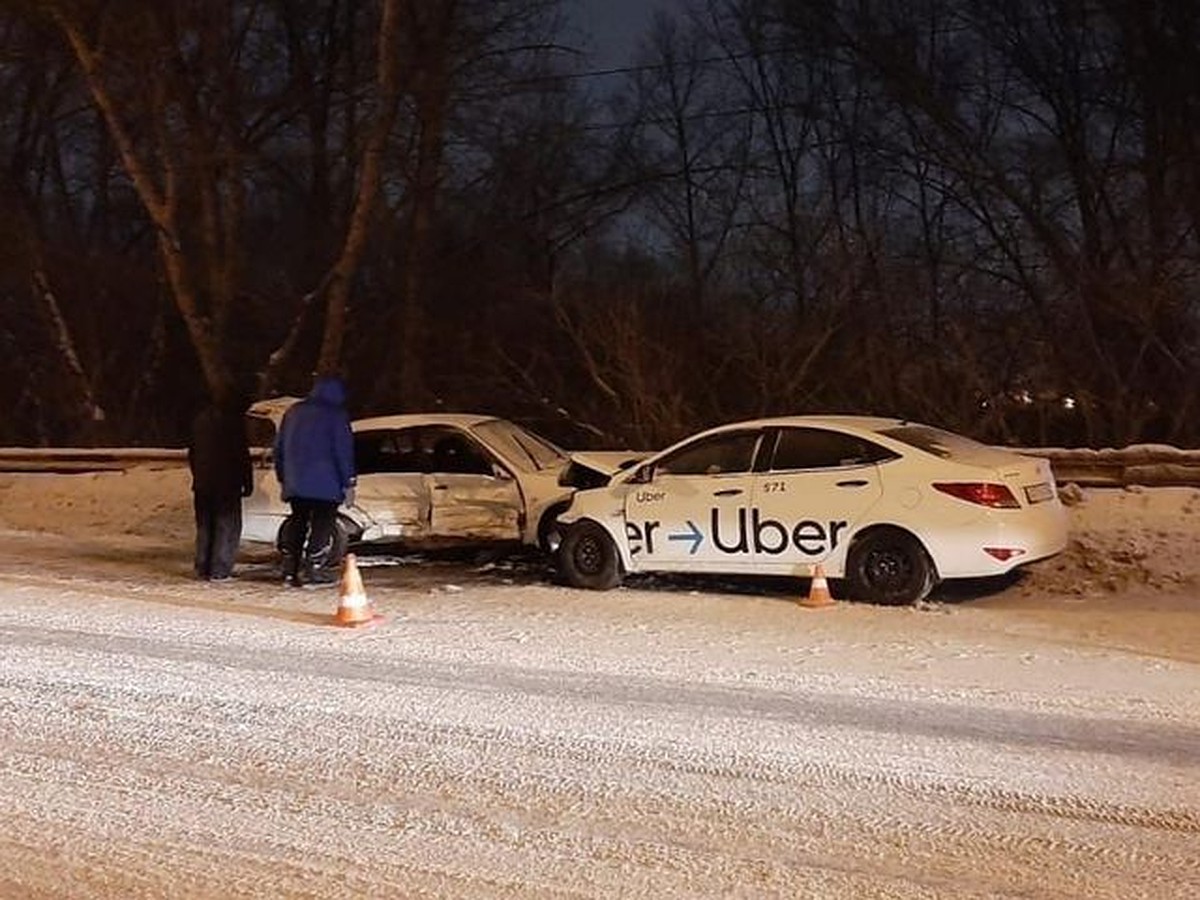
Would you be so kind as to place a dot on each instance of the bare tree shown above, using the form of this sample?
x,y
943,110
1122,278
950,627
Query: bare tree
x,y
694,150
1022,109
370,175
184,137
169,99
35,193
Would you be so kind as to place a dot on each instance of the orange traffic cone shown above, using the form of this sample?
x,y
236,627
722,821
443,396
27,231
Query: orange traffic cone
x,y
818,591
353,606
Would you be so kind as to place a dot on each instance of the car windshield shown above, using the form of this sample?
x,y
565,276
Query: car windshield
x,y
942,444
519,446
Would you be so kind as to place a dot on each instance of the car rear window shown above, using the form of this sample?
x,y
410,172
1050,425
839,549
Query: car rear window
x,y
943,444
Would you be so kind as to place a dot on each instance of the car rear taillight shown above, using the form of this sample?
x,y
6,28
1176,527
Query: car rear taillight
x,y
984,493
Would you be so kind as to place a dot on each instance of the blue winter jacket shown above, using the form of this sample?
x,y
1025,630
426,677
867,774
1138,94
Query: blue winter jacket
x,y
314,449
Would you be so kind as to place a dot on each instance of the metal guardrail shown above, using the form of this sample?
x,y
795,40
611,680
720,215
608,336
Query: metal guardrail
x,y
97,459
1154,465
1146,464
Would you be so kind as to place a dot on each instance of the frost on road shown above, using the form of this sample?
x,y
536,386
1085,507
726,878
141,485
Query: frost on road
x,y
499,736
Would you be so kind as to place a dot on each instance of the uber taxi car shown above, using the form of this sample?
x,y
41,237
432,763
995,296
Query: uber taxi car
x,y
890,506
435,480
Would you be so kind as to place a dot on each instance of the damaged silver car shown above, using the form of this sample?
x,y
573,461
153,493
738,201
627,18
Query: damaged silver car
x,y
431,481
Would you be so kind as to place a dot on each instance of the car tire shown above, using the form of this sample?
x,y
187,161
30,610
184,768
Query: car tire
x,y
343,534
344,531
588,558
889,566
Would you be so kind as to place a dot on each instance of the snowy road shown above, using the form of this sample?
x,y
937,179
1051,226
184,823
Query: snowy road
x,y
497,736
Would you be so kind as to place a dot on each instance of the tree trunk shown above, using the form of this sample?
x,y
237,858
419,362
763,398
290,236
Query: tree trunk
x,y
160,203
431,29
370,174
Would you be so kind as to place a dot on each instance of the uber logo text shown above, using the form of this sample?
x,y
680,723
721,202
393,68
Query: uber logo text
x,y
768,536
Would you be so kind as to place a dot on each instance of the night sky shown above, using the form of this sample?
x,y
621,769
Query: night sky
x,y
615,26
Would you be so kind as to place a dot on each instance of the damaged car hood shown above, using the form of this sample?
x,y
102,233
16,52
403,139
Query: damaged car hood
x,y
594,468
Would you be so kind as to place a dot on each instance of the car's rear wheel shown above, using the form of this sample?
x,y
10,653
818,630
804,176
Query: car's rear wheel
x,y
588,558
889,566
343,532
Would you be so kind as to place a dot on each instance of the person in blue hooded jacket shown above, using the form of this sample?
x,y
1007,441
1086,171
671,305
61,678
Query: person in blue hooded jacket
x,y
314,462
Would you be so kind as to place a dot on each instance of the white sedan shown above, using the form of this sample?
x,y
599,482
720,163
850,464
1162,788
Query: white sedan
x,y
890,506
435,480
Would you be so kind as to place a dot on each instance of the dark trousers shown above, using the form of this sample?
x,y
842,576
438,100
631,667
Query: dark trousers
x,y
309,538
218,532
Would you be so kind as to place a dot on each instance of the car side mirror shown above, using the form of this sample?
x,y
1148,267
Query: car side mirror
x,y
643,475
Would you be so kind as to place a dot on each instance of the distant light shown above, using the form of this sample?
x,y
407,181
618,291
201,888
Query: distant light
x,y
1068,402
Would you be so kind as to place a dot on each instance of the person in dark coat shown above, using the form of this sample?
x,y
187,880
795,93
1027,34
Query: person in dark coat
x,y
222,474
314,462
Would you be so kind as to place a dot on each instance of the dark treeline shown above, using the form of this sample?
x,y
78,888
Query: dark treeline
x,y
977,213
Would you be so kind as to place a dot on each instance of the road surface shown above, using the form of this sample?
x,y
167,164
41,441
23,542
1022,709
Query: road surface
x,y
498,736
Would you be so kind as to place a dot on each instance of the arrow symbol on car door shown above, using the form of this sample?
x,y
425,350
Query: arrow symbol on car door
x,y
695,535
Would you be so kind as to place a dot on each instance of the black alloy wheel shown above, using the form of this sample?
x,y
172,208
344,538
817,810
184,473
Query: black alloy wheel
x,y
588,558
889,566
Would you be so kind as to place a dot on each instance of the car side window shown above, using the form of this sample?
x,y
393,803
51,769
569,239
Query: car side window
x,y
720,454
818,448
454,453
393,451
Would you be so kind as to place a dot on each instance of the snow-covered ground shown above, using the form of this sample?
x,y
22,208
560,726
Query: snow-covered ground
x,y
498,735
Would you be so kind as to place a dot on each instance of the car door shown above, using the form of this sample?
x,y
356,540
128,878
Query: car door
x,y
689,511
392,491
814,486
473,496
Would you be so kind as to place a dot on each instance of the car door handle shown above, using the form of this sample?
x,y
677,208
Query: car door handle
x,y
728,492
441,487
856,482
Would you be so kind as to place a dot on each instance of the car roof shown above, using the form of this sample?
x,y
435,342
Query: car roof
x,y
407,420
857,423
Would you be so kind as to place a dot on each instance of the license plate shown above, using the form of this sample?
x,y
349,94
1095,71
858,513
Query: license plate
x,y
1039,493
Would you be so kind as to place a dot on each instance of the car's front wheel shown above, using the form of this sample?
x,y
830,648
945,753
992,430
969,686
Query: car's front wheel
x,y
588,558
889,566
